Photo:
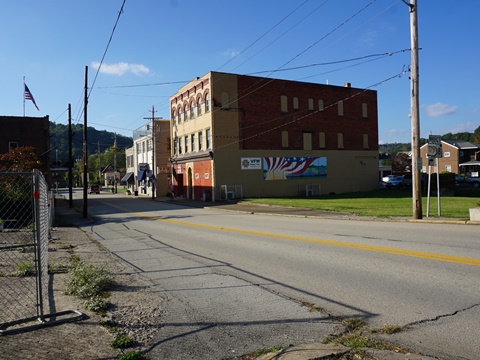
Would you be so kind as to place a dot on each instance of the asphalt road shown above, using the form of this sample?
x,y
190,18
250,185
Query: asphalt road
x,y
237,279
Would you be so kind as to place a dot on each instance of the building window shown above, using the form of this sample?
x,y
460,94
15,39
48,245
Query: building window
x,y
180,145
143,147
139,148
283,104
200,141
179,115
321,140
185,113
174,117
186,144
149,145
295,103
192,110
175,146
199,107
340,141
448,168
320,105
12,145
340,108
192,138
285,139
365,141
307,141
310,104
364,110
208,139
207,103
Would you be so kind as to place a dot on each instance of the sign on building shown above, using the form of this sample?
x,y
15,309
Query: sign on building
x,y
251,163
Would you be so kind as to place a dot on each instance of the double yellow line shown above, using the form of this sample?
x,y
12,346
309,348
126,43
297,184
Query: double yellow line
x,y
343,244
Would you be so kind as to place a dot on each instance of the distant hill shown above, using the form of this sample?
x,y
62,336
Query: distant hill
x,y
95,139
394,148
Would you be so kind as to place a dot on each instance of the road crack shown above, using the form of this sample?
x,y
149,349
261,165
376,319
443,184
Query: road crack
x,y
424,321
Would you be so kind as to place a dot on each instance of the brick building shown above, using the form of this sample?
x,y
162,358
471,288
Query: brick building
x,y
454,153
19,131
235,135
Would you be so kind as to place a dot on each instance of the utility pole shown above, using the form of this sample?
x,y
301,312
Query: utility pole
x,y
85,153
115,163
99,169
415,113
70,160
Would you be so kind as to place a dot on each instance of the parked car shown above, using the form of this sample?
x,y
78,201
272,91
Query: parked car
x,y
95,189
475,181
395,182
459,178
388,177
407,179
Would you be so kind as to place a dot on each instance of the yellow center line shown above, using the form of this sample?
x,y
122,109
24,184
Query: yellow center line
x,y
344,244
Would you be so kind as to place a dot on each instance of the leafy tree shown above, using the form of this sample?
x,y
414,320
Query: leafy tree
x,y
19,159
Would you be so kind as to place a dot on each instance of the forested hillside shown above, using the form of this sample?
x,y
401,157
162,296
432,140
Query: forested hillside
x,y
95,139
393,148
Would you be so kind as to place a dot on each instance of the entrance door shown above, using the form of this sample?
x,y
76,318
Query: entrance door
x,y
190,184
180,185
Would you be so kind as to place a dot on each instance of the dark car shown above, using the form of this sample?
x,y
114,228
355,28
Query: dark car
x,y
95,189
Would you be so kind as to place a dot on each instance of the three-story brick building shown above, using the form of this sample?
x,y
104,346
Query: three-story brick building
x,y
236,135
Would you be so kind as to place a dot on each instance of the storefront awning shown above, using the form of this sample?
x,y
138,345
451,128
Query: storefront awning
x,y
141,175
127,177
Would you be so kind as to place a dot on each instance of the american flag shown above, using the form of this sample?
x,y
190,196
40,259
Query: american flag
x,y
290,165
28,96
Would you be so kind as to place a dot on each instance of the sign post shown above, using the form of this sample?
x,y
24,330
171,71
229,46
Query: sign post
x,y
434,151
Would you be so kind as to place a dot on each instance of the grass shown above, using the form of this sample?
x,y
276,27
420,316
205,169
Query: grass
x,y
382,203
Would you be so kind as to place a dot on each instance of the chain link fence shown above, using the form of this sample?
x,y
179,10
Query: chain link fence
x,y
26,218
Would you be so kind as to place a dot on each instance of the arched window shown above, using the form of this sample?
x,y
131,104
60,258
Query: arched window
x,y
199,107
179,115
185,113
192,110
207,103
174,116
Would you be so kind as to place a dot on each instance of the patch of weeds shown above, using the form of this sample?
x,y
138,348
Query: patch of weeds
x,y
98,304
355,340
391,329
109,324
353,324
87,280
122,341
133,355
58,269
24,269
271,350
311,307
69,248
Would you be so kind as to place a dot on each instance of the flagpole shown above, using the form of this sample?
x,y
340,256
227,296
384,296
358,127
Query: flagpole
x,y
24,96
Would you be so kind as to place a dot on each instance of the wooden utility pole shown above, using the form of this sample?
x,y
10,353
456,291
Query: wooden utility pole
x,y
85,154
415,114
115,163
70,160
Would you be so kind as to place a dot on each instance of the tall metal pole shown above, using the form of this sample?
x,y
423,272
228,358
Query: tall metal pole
x,y
415,114
70,160
85,153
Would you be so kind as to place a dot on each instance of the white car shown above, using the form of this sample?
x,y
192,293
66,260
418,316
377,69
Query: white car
x,y
395,182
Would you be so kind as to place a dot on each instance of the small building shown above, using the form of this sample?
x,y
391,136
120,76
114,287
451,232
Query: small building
x,y
239,136
146,174
455,153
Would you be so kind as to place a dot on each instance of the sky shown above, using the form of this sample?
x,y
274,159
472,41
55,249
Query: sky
x,y
137,58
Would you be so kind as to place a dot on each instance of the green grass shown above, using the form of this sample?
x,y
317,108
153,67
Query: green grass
x,y
383,203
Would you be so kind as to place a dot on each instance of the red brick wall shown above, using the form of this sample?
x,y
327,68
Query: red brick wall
x,y
262,121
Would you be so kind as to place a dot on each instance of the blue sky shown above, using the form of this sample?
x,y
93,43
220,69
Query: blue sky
x,y
158,45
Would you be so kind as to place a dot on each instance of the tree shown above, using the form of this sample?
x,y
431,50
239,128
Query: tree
x,y
400,162
19,159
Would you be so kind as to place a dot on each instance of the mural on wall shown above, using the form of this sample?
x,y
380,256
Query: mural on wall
x,y
287,168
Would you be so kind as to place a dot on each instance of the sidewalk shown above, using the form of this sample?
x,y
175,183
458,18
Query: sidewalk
x,y
298,351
